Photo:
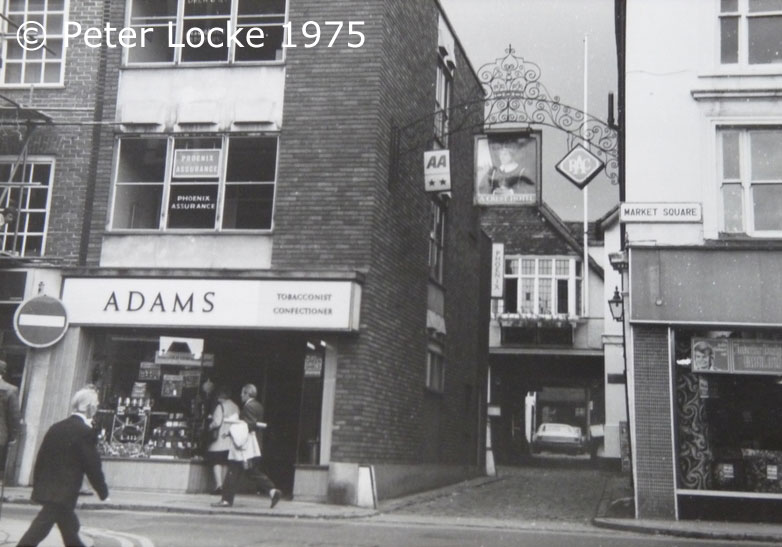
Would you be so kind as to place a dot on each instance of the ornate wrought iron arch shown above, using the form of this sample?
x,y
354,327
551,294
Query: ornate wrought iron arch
x,y
514,96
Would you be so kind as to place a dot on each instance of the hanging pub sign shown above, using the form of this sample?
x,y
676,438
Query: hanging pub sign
x,y
196,163
507,169
735,356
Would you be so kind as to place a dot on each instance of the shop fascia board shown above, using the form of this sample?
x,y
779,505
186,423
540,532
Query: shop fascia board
x,y
310,275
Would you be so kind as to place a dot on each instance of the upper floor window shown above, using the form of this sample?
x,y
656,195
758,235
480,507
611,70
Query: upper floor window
x,y
443,92
750,32
197,31
33,65
436,240
542,286
27,198
751,180
435,370
196,182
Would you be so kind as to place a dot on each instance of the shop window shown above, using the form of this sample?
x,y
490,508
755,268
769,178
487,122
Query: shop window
x,y
751,181
33,66
443,93
435,371
192,22
750,32
436,239
212,183
26,198
542,286
152,401
728,400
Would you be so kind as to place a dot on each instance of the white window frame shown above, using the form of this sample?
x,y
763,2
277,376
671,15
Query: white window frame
x,y
745,180
437,227
6,234
167,182
443,98
179,39
8,33
743,14
574,306
435,370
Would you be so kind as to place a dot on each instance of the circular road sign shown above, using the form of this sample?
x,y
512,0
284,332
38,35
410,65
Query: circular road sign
x,y
41,321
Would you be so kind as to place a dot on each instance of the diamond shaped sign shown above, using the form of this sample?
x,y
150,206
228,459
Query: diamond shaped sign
x,y
580,166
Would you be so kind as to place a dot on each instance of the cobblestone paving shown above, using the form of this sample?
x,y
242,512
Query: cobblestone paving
x,y
543,492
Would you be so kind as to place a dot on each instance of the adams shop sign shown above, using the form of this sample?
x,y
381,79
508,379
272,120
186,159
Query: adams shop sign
x,y
250,303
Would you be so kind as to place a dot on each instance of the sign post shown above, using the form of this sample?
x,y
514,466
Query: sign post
x,y
41,321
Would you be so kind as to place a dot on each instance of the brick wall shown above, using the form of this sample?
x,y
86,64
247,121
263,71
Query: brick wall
x,y
523,230
336,207
655,481
69,140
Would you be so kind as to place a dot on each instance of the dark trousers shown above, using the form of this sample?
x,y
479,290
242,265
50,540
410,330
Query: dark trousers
x,y
49,515
235,471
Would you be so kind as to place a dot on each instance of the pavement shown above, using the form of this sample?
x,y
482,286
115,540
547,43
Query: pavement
x,y
529,497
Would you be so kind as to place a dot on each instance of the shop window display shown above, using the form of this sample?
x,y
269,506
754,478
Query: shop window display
x,y
728,407
152,404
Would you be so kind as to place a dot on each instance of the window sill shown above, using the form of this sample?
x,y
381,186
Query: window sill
x,y
218,64
434,392
185,232
35,86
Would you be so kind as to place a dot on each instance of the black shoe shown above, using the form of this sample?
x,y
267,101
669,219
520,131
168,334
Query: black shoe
x,y
275,495
217,491
222,503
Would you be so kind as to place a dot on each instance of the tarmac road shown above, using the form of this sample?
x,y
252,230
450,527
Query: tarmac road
x,y
220,530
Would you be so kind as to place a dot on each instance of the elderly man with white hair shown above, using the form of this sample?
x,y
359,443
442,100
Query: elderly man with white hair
x,y
68,452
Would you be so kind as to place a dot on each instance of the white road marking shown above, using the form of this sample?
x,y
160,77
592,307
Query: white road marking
x,y
123,538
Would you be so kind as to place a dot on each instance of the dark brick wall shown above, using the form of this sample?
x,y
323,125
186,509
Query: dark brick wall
x,y
336,208
523,230
655,482
70,140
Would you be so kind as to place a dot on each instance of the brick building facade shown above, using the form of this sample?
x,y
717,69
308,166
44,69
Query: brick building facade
x,y
268,192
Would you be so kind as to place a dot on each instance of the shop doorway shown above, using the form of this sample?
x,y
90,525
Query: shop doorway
x,y
273,362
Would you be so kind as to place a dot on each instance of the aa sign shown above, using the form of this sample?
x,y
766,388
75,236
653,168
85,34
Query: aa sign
x,y
437,171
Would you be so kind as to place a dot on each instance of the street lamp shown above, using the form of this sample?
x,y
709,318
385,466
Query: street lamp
x,y
616,304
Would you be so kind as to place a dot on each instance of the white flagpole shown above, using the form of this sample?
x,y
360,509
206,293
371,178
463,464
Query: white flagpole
x,y
585,266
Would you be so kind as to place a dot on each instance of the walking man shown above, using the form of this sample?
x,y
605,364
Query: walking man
x,y
68,452
10,423
252,414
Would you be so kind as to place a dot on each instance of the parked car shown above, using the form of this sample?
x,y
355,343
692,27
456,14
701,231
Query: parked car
x,y
559,438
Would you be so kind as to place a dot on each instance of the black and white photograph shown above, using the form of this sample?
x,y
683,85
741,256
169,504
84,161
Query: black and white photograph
x,y
390,272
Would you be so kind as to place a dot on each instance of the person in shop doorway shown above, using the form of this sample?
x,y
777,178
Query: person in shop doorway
x,y
68,452
217,453
10,421
238,462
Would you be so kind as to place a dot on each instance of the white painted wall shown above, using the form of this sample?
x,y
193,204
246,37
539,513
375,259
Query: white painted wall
x,y
221,96
665,55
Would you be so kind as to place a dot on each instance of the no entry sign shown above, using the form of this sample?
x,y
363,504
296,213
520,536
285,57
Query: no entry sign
x,y
40,321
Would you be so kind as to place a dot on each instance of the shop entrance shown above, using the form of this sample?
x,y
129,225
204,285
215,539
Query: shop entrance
x,y
136,379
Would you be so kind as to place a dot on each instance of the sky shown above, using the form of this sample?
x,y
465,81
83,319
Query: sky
x,y
550,33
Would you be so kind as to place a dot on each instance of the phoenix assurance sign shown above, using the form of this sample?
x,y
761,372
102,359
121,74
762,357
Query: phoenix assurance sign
x,y
250,303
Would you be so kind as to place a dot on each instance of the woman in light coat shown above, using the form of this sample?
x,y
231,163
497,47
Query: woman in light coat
x,y
217,453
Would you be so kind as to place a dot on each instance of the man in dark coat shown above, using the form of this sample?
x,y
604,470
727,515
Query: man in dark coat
x,y
252,414
68,452
10,421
